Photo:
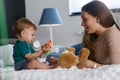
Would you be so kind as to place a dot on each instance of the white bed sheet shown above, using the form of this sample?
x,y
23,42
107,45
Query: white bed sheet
x,y
108,72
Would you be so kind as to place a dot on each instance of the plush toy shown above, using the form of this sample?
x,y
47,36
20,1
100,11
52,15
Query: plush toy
x,y
68,58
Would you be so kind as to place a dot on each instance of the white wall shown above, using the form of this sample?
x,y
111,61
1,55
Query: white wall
x,y
67,34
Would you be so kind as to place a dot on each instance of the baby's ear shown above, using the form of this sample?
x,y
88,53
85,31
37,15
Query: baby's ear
x,y
22,33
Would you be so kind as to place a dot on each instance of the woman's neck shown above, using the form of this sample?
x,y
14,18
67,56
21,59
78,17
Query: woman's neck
x,y
101,30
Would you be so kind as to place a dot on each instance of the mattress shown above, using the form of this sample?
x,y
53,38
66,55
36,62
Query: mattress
x,y
107,72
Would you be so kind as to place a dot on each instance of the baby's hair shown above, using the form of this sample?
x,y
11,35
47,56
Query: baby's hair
x,y
22,24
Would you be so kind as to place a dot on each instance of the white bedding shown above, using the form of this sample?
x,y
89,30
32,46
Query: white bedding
x,y
111,72
108,72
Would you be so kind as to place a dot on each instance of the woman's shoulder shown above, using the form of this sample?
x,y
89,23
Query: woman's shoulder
x,y
113,31
113,34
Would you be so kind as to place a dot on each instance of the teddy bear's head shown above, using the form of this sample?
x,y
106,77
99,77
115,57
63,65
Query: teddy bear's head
x,y
68,58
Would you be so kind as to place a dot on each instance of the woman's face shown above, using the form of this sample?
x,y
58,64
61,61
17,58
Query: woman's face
x,y
89,22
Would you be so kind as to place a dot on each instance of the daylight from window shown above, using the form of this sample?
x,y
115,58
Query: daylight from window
x,y
75,5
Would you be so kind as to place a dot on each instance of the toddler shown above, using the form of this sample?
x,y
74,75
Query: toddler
x,y
25,57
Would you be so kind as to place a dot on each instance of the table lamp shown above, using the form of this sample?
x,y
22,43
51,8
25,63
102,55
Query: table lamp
x,y
50,17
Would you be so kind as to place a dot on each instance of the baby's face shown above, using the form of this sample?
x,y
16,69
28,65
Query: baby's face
x,y
28,35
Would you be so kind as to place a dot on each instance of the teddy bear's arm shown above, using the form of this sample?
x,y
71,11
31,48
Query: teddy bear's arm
x,y
84,53
83,56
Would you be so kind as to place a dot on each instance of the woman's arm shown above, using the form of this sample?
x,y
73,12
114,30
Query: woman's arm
x,y
88,64
114,46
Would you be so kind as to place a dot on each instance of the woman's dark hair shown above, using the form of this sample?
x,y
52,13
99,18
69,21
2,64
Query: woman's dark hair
x,y
101,11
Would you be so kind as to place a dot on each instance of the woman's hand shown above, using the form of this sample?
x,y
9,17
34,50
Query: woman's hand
x,y
85,64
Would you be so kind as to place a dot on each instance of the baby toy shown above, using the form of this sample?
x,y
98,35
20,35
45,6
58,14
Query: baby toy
x,y
68,58
48,46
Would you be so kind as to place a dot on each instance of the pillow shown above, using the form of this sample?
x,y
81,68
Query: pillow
x,y
1,63
6,54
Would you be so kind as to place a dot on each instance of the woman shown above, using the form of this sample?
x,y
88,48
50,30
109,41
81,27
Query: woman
x,y
102,35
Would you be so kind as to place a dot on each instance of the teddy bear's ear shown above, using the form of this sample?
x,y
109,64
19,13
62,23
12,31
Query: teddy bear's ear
x,y
84,53
71,49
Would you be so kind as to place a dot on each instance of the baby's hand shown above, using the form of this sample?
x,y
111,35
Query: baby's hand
x,y
46,47
48,44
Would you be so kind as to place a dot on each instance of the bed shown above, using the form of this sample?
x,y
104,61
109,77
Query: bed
x,y
7,72
111,72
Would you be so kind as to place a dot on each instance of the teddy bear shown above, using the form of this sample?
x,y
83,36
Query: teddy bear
x,y
68,58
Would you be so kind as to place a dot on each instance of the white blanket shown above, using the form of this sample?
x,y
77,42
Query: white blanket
x,y
111,72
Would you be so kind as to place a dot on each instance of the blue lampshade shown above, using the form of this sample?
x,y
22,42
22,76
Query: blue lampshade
x,y
50,17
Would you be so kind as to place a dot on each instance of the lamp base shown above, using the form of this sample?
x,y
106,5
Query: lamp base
x,y
51,36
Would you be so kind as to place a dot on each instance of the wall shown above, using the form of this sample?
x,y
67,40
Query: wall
x,y
14,10
116,15
67,34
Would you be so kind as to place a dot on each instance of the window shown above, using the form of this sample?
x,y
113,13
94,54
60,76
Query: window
x,y
75,5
